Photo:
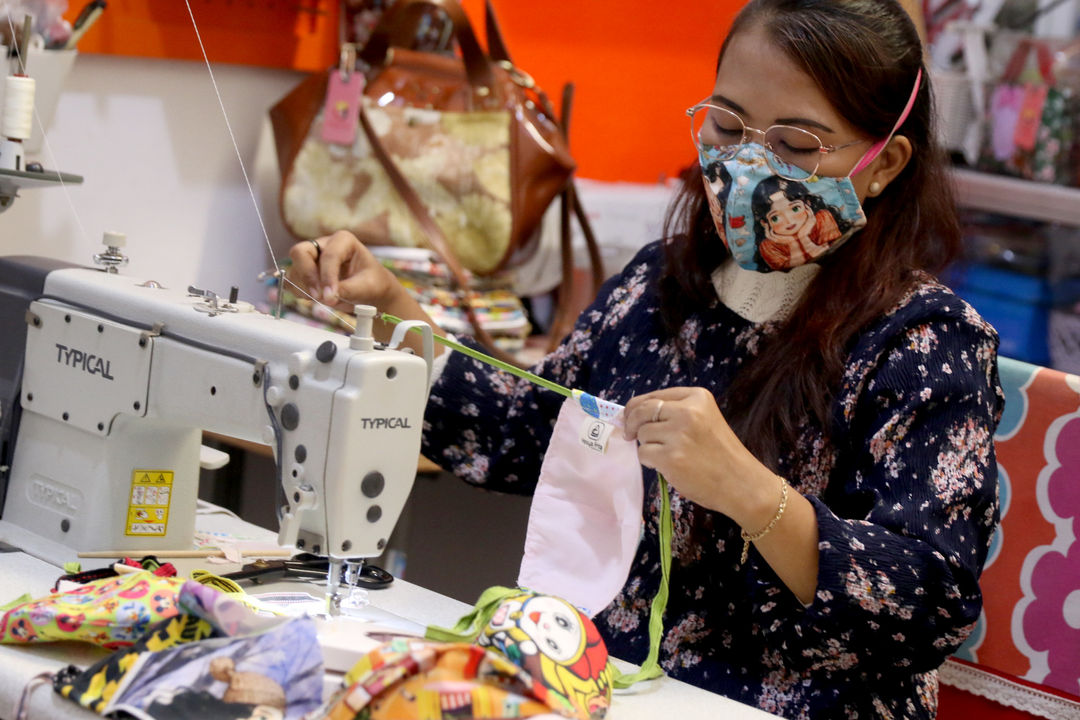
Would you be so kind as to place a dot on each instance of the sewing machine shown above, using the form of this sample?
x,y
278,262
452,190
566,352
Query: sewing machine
x,y
107,383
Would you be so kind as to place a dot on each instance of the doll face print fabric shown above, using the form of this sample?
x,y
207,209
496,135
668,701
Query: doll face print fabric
x,y
557,645
771,208
770,222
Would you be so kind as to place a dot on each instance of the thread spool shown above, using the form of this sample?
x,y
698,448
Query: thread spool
x,y
18,110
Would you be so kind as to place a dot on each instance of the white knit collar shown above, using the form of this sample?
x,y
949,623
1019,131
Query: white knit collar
x,y
761,296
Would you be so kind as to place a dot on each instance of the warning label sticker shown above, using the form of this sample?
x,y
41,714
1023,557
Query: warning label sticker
x,y
148,506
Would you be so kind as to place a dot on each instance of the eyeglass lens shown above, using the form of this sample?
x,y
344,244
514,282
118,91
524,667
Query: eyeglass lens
x,y
799,151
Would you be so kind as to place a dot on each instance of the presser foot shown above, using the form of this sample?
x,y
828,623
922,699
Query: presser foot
x,y
345,594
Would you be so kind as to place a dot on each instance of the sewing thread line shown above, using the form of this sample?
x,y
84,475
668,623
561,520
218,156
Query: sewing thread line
x,y
282,279
494,362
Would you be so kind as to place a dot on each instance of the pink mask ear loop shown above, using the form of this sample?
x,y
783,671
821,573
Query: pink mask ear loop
x,y
875,149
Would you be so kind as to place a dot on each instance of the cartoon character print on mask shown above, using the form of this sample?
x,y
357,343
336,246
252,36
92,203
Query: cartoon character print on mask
x,y
792,225
717,186
771,223
557,645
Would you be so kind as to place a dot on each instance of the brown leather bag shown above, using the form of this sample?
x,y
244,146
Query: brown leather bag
x,y
507,159
541,165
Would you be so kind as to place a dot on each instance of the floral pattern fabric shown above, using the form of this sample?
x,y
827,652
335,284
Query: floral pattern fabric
x,y
1029,626
904,487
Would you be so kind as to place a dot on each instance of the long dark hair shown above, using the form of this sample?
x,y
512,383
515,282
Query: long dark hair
x,y
864,55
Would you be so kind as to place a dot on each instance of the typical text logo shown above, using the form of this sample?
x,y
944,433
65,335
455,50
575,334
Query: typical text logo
x,y
87,362
53,495
386,423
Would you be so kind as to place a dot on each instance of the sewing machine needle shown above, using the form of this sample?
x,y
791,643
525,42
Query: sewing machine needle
x,y
333,587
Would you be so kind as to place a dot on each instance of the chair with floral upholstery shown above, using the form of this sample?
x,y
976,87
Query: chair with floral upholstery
x,y
1023,658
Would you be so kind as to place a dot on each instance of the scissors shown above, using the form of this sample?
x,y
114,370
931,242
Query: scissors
x,y
312,567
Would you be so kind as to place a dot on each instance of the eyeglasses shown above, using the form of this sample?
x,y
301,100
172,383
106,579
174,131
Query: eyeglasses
x,y
795,153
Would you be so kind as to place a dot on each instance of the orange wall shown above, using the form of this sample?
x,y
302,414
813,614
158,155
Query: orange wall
x,y
275,33
636,64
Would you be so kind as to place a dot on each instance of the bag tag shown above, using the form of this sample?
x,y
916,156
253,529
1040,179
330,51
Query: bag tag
x,y
589,483
344,92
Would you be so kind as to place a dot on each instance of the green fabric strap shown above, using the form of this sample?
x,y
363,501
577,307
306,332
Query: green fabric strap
x,y
494,362
24,598
469,627
651,669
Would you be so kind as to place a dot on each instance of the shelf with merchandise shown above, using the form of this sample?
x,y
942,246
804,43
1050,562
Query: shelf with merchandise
x,y
1019,198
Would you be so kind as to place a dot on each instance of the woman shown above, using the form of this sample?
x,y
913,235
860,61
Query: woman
x,y
827,430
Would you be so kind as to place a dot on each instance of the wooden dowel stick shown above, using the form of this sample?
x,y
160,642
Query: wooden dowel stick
x,y
279,552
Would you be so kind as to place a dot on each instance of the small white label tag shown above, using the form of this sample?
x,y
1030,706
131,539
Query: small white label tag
x,y
595,433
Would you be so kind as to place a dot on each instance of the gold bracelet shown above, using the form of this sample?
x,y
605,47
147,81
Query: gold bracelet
x,y
747,539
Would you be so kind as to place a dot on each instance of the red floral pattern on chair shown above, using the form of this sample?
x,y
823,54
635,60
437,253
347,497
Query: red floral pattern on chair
x,y
1030,627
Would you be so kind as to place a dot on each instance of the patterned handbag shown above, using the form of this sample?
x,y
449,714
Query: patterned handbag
x,y
467,146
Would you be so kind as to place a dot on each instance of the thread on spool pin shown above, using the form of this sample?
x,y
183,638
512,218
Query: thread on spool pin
x,y
18,110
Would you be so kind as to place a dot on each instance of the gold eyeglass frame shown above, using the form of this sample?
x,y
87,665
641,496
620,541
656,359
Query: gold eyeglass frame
x,y
823,149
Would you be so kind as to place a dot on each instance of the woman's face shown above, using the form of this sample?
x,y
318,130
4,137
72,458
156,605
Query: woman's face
x,y
764,87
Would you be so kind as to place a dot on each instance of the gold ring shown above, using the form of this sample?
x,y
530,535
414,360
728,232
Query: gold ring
x,y
318,248
656,414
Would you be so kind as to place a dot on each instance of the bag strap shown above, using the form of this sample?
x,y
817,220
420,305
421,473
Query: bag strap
x,y
291,117
496,46
570,202
1018,60
434,235
404,13
565,317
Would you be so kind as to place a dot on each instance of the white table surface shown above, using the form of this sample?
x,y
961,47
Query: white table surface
x,y
21,573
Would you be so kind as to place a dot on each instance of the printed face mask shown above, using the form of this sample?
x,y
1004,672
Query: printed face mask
x,y
769,222
772,223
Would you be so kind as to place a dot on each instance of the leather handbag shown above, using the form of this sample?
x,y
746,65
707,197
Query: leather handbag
x,y
469,144
481,87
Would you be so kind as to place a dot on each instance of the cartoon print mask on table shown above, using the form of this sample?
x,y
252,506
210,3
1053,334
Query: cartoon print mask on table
x,y
557,645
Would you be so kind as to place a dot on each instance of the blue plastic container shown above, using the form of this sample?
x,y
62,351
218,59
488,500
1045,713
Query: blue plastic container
x,y
1016,304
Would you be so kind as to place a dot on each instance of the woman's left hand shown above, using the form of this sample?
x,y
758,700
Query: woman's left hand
x,y
683,435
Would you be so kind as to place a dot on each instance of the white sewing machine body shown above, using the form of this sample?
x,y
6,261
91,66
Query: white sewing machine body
x,y
120,377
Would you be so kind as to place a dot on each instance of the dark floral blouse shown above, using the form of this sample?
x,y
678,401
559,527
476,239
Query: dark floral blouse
x,y
904,486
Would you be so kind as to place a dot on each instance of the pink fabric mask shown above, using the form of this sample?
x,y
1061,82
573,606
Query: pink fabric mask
x,y
585,521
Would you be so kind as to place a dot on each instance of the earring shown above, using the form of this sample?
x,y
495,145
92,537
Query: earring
x,y
875,187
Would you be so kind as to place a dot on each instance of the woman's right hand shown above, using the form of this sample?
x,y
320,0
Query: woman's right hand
x,y
337,270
